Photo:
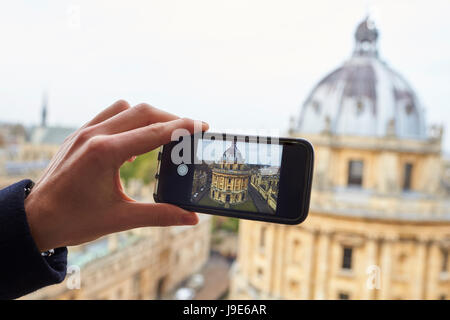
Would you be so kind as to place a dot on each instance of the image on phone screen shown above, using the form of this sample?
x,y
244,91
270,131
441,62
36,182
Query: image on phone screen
x,y
237,175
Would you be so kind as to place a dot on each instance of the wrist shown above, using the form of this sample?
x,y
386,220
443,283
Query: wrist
x,y
39,229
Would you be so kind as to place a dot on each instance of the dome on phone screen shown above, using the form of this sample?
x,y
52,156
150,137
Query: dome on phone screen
x,y
363,97
232,154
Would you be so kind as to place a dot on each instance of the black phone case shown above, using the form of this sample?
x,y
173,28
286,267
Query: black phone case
x,y
251,216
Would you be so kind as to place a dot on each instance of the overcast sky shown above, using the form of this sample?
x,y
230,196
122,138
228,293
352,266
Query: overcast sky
x,y
237,64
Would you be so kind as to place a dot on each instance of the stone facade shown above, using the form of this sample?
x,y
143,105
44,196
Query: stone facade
x,y
229,183
150,267
266,183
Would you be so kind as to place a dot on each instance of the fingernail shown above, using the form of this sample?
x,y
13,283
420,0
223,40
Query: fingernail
x,y
189,219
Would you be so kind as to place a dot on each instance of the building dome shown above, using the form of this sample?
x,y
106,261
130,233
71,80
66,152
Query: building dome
x,y
363,97
232,154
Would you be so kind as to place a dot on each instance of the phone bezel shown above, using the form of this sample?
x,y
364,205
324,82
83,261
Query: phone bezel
x,y
301,205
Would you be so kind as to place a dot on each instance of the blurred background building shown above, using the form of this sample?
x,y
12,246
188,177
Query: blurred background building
x,y
379,224
26,151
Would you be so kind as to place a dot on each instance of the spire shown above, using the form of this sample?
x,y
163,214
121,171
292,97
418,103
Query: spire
x,y
366,36
44,110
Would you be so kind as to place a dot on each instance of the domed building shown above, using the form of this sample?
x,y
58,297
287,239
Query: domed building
x,y
230,176
379,223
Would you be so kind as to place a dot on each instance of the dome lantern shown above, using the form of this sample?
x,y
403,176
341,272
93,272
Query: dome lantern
x,y
366,36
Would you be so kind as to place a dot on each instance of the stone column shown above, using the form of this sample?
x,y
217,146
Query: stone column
x,y
433,270
278,264
309,265
419,280
323,261
386,266
388,181
428,181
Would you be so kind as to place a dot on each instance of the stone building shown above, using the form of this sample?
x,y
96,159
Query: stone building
x,y
379,224
230,178
147,263
199,181
265,181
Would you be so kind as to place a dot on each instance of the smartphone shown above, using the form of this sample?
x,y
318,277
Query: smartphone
x,y
247,177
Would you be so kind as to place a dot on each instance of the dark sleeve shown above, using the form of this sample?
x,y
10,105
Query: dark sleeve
x,y
22,267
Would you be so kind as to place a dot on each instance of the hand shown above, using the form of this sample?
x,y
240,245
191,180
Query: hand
x,y
80,197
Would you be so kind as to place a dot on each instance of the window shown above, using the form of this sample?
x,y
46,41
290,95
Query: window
x,y
444,266
355,172
407,176
347,253
343,296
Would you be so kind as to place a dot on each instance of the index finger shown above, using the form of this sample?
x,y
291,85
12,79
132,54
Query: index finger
x,y
145,139
139,116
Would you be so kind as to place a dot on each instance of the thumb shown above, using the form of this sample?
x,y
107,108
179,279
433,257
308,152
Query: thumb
x,y
136,214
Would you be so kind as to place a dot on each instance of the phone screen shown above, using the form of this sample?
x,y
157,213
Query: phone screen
x,y
236,175
249,177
